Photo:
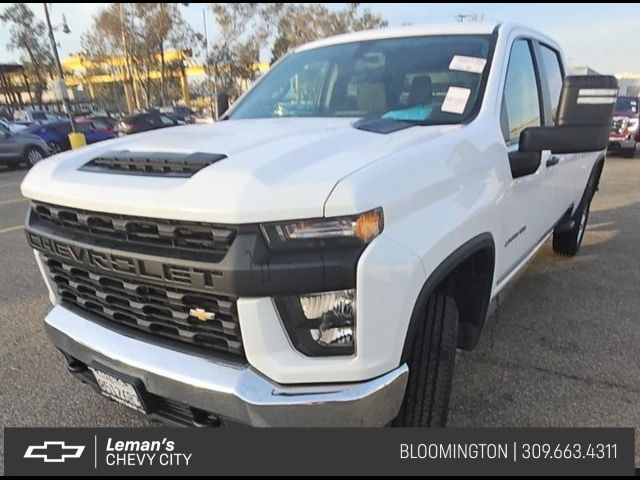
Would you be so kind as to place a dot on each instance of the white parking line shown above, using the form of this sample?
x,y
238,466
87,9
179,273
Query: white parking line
x,y
11,229
13,200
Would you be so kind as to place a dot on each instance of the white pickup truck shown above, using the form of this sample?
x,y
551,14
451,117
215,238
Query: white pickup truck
x,y
317,257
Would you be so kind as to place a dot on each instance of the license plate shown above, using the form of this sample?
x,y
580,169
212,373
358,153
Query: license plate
x,y
117,389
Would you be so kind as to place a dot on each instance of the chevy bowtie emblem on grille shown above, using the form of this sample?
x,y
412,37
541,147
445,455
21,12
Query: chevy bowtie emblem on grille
x,y
54,452
201,314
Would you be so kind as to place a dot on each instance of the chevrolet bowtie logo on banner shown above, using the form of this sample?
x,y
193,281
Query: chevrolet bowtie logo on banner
x,y
54,452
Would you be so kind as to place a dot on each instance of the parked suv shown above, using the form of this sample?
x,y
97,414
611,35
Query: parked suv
x,y
318,257
21,147
625,133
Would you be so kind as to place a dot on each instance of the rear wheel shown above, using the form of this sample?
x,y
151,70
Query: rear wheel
x,y
567,241
33,155
431,363
55,147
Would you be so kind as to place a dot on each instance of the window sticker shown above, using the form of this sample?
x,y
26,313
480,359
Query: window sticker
x,y
456,100
467,64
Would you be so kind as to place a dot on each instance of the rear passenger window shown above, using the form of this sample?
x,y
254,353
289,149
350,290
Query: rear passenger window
x,y
553,70
521,100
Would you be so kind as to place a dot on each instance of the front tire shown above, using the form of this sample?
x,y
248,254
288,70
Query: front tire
x,y
431,364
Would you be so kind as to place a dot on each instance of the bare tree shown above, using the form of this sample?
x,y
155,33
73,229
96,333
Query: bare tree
x,y
140,35
244,29
28,36
304,22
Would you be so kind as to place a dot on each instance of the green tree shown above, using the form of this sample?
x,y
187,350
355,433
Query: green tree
x,y
28,36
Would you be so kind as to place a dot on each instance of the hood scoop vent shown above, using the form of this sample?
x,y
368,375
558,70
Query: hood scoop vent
x,y
152,164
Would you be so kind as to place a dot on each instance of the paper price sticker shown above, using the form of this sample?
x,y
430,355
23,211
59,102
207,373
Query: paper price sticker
x,y
456,100
467,64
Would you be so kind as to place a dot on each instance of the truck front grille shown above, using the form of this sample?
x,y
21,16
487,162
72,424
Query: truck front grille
x,y
170,238
157,309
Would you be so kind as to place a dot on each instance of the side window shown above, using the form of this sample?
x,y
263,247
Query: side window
x,y
164,120
521,100
551,63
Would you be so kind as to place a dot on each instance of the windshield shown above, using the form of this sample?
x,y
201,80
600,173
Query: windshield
x,y
434,79
627,104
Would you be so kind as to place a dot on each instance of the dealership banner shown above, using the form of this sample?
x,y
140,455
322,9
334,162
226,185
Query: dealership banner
x,y
244,451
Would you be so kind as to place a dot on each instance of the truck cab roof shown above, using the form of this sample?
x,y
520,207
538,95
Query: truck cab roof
x,y
472,28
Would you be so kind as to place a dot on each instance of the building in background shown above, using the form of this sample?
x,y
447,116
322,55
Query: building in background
x,y
629,84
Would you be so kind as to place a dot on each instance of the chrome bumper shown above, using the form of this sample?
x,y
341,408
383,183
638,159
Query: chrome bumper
x,y
235,392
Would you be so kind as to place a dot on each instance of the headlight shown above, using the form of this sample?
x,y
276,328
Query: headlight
x,y
321,324
633,125
316,233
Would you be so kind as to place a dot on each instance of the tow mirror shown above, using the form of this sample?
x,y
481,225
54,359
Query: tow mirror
x,y
582,124
583,120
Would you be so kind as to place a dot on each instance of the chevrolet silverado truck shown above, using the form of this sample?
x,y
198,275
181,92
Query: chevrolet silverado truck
x,y
317,257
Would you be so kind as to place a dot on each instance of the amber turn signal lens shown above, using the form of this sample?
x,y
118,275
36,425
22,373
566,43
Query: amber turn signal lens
x,y
368,225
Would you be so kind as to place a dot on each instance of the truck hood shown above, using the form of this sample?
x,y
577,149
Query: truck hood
x,y
277,169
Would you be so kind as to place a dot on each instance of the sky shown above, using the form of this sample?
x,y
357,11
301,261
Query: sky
x,y
604,36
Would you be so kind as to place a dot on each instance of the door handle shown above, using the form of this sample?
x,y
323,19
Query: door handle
x,y
553,161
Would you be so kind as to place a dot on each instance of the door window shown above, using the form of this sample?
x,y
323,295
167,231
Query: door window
x,y
521,98
553,70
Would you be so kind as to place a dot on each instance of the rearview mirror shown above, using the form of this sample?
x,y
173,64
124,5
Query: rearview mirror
x,y
583,120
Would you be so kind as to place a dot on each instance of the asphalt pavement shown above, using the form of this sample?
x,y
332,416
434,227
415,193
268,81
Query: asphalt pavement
x,y
562,349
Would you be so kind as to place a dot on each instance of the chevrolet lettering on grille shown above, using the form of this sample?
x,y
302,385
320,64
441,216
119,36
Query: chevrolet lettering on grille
x,y
122,264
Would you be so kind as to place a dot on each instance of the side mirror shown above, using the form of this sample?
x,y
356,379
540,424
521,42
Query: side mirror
x,y
223,103
582,124
583,120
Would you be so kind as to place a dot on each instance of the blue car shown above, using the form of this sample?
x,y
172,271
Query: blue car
x,y
56,134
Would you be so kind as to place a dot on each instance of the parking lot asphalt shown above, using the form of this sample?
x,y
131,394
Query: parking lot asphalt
x,y
563,348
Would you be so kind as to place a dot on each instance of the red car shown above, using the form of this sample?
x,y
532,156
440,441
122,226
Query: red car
x,y
97,125
625,133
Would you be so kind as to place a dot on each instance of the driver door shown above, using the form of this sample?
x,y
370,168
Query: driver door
x,y
528,210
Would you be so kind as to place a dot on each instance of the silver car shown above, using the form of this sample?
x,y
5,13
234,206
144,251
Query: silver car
x,y
18,147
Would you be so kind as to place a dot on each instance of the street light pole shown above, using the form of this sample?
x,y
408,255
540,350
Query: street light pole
x,y
54,48
213,104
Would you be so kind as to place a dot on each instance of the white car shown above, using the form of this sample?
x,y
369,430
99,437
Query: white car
x,y
317,257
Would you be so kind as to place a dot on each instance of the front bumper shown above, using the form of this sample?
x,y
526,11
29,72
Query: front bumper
x,y
621,142
231,391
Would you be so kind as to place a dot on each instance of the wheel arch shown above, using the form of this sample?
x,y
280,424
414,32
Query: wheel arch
x,y
472,303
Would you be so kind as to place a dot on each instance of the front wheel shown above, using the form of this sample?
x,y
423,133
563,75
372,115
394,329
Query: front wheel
x,y
431,363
